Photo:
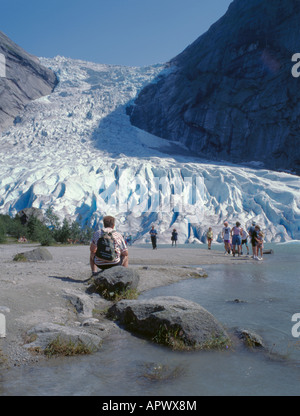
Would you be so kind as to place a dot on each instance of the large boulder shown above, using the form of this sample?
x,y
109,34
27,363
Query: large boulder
x,y
82,302
38,254
42,335
116,280
172,321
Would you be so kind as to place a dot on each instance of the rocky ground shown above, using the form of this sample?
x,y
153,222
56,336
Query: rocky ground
x,y
38,292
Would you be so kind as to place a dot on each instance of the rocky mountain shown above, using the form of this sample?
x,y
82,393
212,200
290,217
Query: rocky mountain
x,y
231,95
22,79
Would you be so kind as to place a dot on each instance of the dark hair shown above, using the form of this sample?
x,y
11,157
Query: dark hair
x,y
109,222
237,224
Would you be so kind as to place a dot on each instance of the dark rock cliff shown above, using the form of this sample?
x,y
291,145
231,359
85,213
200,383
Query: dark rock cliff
x,y
22,79
231,95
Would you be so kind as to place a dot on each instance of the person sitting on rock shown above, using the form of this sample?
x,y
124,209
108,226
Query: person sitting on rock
x,y
107,248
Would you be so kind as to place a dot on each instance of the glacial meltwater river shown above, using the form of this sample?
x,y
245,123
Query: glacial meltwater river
x,y
129,366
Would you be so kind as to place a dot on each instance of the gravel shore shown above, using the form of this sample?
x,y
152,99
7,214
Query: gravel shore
x,y
32,292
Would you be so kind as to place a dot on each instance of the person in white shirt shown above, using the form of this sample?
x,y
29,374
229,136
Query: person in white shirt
x,y
245,236
226,237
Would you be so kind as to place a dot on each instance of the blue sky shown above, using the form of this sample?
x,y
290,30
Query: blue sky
x,y
118,32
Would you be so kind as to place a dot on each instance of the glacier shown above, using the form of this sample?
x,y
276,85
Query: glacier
x,y
76,151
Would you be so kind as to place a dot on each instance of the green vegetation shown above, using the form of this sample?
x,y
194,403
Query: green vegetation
x,y
171,337
47,233
174,338
20,257
67,348
119,295
2,358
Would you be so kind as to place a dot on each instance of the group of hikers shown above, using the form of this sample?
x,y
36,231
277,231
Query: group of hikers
x,y
108,247
234,238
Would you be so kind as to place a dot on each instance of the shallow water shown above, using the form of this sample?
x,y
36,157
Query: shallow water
x,y
130,366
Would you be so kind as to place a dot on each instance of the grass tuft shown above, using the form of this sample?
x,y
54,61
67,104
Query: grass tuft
x,y
123,294
20,257
67,348
173,337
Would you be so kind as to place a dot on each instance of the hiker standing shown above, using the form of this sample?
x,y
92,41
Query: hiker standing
x,y
253,241
174,237
245,236
260,246
209,236
236,234
226,238
153,234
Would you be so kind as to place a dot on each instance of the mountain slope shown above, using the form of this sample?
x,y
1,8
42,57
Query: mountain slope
x,y
76,151
231,95
22,79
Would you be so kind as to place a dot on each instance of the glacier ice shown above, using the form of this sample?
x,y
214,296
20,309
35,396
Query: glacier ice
x,y
76,151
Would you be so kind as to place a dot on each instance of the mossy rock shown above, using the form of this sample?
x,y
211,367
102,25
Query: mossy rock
x,y
39,254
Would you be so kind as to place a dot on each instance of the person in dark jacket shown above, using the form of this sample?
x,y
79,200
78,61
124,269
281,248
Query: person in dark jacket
x,y
153,235
174,237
